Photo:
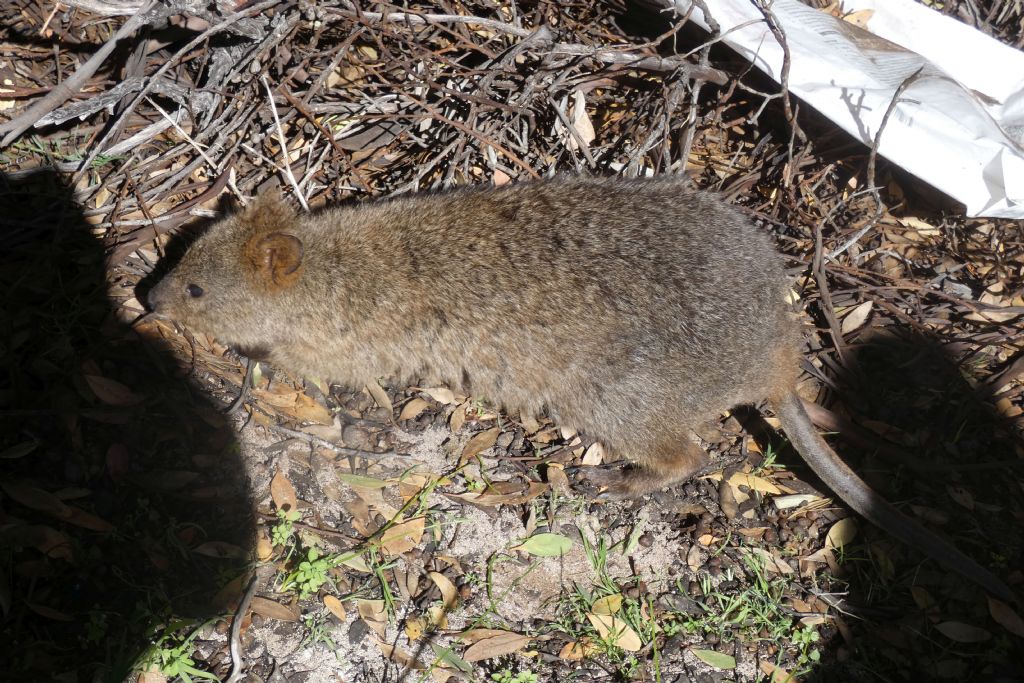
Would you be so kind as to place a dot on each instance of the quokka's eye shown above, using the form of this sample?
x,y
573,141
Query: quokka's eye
x,y
194,291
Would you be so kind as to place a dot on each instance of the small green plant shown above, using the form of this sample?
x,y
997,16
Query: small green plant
x,y
281,534
506,676
804,640
318,630
767,461
310,575
172,657
757,613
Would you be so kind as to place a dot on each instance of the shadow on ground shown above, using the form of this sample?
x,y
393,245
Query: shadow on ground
x,y
929,439
125,517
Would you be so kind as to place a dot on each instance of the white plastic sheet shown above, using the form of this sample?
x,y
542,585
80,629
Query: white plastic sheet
x,y
959,125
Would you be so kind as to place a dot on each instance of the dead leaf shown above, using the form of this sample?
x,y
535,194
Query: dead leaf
x,y
112,392
308,409
856,318
608,605
495,494
264,546
496,646
49,612
479,443
557,478
273,610
403,537
336,608
594,455
380,397
437,617
374,614
442,395
859,18
769,561
1005,616
457,419
47,540
776,674
621,633
693,558
841,533
414,627
400,656
572,652
962,633
283,493
754,483
220,550
448,590
412,409
961,496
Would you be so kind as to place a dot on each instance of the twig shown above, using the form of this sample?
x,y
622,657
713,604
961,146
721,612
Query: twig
x,y
284,146
236,631
602,54
66,90
872,159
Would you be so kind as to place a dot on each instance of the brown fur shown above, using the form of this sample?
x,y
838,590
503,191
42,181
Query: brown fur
x,y
632,310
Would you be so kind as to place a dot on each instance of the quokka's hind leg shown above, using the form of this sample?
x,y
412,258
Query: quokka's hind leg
x,y
669,462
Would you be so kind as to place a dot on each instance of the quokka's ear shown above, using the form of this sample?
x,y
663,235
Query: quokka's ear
x,y
275,258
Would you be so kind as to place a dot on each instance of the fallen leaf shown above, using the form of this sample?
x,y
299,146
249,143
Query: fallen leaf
x,y
545,545
479,443
403,537
776,674
495,646
35,498
400,656
336,608
962,633
497,494
49,612
283,493
437,617
1005,616
112,392
18,451
374,614
841,533
442,395
571,652
364,482
961,496
922,598
273,610
448,590
308,409
719,660
457,419
693,558
412,409
856,318
47,540
754,483
621,633
608,605
769,562
380,397
220,550
594,455
414,627
794,500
